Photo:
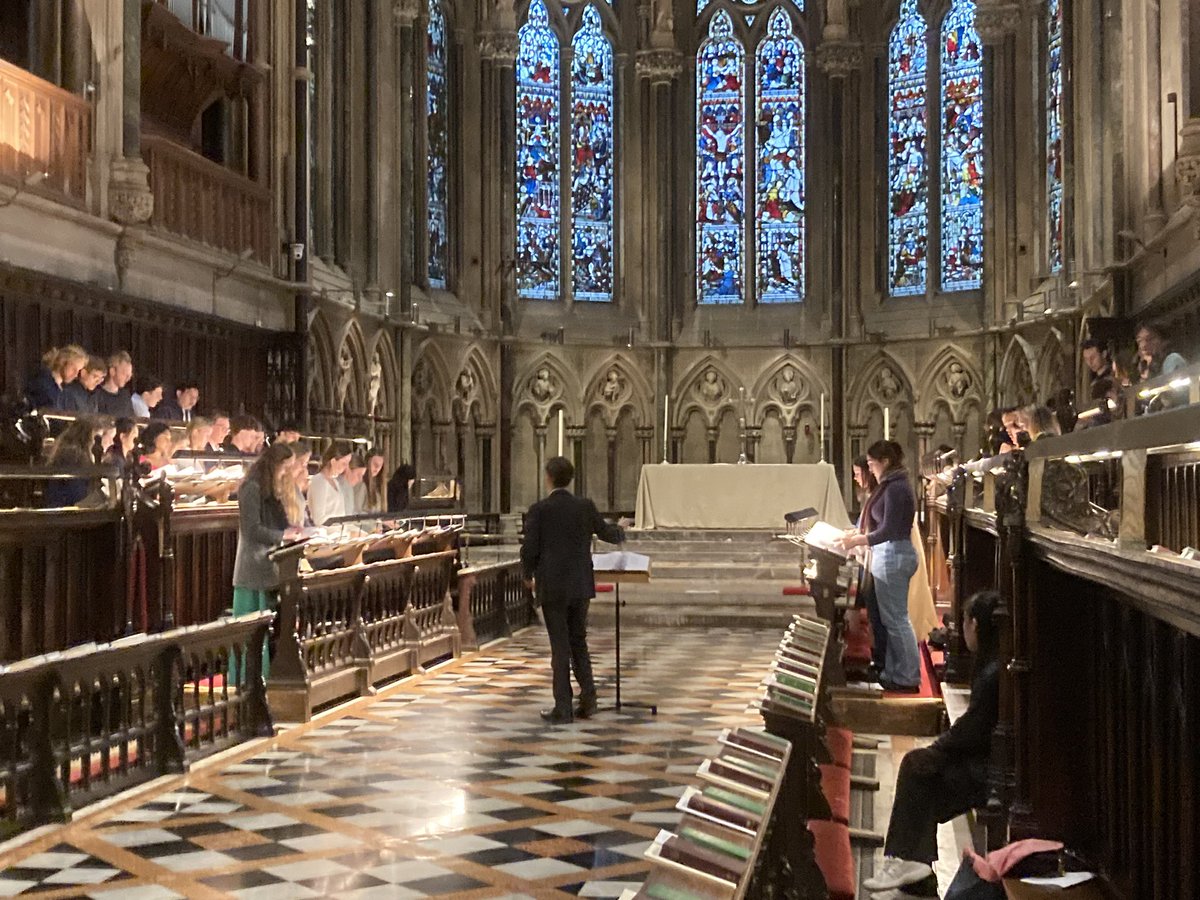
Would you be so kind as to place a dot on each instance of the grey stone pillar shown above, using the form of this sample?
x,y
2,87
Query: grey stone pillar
x,y
130,200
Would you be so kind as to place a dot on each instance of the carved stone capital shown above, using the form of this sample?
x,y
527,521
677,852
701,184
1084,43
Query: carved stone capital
x,y
127,243
840,59
995,20
1187,166
502,47
130,200
659,65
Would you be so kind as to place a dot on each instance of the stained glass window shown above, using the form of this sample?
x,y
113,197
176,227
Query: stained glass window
x,y
962,149
538,212
720,164
1054,133
780,200
908,177
592,161
437,132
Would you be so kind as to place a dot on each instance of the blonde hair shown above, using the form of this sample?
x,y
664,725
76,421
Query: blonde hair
x,y
56,358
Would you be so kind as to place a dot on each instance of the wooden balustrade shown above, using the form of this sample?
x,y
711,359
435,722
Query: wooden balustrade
x,y
341,629
206,202
1098,738
80,725
44,129
493,602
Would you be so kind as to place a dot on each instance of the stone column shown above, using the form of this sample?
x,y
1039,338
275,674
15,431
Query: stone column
x,y
996,21
130,201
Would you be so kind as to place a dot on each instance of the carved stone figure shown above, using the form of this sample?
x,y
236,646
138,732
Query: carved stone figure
x,y
613,386
466,386
788,386
345,374
374,383
542,388
887,384
711,387
958,382
421,379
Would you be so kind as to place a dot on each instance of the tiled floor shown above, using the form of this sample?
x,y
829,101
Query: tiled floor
x,y
445,785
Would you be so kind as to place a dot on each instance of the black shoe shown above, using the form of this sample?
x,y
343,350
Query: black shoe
x,y
554,717
586,709
892,688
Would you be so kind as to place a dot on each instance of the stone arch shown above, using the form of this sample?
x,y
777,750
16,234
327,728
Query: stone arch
x,y
1051,368
350,375
634,395
1015,385
430,383
872,389
950,381
687,398
768,396
321,363
481,401
562,387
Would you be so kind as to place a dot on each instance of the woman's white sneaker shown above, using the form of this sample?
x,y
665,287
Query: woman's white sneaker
x,y
896,873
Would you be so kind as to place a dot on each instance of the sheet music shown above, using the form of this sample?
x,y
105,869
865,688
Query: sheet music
x,y
825,537
620,561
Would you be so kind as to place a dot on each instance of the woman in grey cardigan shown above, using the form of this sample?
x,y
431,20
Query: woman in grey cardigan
x,y
263,524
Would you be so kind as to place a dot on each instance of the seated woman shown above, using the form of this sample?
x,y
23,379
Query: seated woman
x,y
72,449
119,452
158,445
949,777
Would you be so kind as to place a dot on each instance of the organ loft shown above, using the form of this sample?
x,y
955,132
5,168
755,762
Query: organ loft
x,y
336,336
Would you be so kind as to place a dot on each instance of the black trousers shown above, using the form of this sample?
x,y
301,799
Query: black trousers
x,y
566,623
931,787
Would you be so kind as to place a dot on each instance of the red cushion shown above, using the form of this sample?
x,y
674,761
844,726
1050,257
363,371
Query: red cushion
x,y
796,590
834,858
835,785
604,588
840,742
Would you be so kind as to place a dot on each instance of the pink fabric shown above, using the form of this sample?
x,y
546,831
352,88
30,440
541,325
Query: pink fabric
x,y
993,867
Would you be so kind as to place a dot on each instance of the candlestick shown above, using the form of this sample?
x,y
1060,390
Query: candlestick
x,y
887,424
822,427
666,426
560,432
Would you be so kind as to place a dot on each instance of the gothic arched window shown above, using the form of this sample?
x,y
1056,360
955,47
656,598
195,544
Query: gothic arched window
x,y
591,161
769,242
537,158
1054,133
437,131
586,92
720,164
962,149
780,190
908,175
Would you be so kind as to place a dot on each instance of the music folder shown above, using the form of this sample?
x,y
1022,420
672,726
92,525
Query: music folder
x,y
826,537
621,561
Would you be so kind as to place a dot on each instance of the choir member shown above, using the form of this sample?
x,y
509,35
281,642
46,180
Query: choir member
x,y
268,514
1154,355
354,491
1038,422
220,431
72,448
376,487
149,395
158,445
887,530
866,485
948,778
288,433
60,366
400,486
80,395
1014,431
325,498
119,452
182,408
301,455
245,434
1095,356
113,395
199,431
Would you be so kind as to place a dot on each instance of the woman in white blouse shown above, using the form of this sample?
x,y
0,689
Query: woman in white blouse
x,y
325,498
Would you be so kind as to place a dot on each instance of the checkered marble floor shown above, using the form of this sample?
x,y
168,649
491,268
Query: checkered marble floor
x,y
443,785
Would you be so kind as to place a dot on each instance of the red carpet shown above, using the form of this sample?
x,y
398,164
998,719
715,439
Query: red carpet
x,y
930,689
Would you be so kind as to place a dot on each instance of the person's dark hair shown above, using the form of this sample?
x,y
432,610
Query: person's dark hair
x,y
263,471
561,471
403,475
244,423
300,447
1093,344
887,451
148,382
1042,419
218,414
187,384
1153,329
123,427
981,608
860,463
358,461
335,450
150,434
74,446
288,425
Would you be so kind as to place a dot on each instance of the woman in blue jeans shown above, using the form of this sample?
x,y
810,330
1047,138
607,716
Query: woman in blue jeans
x,y
887,530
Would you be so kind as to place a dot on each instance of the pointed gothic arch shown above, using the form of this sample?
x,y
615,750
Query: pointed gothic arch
x,y
480,402
547,385
882,383
629,391
431,383
1015,384
350,396
1052,371
695,391
321,364
772,390
952,381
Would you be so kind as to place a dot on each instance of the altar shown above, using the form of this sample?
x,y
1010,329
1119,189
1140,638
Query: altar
x,y
736,496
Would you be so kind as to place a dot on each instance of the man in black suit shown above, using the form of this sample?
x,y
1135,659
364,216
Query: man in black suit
x,y
557,556
187,392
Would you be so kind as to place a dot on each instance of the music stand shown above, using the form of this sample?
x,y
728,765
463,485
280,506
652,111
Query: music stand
x,y
617,578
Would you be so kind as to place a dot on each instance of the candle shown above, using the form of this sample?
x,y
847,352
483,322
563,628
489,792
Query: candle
x,y
560,432
887,424
666,426
822,427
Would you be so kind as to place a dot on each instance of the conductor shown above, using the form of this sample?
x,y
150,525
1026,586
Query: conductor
x,y
557,560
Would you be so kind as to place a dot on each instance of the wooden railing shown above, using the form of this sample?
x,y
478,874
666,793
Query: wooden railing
x,y
98,719
206,202
492,602
1100,702
341,630
44,129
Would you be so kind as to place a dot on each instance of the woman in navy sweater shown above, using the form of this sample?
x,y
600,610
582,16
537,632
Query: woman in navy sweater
x,y
887,530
